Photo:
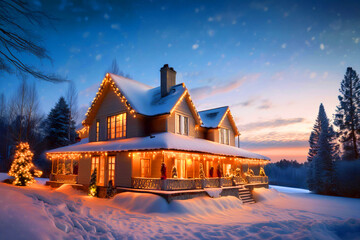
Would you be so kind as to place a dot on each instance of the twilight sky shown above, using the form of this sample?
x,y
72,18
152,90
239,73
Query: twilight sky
x,y
272,62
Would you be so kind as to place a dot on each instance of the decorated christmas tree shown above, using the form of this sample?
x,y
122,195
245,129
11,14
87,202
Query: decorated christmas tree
x,y
22,167
92,187
174,172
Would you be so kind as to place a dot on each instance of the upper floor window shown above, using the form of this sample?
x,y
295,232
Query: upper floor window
x,y
97,130
181,124
224,136
116,126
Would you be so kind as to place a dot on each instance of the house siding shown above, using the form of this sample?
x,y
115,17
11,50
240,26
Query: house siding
x,y
123,169
111,105
84,173
183,109
226,124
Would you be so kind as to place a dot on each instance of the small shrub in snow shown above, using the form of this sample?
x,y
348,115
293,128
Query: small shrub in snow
x,y
262,172
174,172
238,172
110,191
92,187
249,173
163,171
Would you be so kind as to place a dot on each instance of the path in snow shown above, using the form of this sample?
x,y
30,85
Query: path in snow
x,y
40,213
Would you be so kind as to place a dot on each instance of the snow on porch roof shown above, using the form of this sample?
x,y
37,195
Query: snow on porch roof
x,y
161,141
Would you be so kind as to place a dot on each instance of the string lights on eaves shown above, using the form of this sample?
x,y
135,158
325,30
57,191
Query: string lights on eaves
x,y
109,80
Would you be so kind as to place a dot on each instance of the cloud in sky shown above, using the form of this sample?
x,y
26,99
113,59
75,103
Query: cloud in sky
x,y
279,122
98,57
265,104
115,26
274,144
208,91
195,46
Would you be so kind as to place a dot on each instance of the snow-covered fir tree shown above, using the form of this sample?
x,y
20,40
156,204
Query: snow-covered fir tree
x,y
57,126
313,149
321,167
347,117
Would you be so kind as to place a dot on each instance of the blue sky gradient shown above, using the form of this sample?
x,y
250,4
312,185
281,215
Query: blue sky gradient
x,y
272,62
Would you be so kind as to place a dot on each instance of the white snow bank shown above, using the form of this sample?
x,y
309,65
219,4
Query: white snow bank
x,y
40,181
69,190
213,192
150,203
288,189
264,194
42,213
141,202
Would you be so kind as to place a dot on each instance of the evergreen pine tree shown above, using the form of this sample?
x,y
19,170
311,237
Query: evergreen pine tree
x,y
110,190
92,187
313,142
347,116
22,167
174,172
322,165
57,126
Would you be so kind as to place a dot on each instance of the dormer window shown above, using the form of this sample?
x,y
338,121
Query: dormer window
x,y
181,124
224,136
116,126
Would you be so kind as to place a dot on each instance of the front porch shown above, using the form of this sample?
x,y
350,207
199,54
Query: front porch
x,y
174,184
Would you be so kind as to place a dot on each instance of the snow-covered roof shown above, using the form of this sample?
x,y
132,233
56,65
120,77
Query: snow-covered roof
x,y
161,141
211,118
145,99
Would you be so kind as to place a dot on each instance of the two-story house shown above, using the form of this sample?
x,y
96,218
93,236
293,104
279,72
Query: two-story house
x,y
131,128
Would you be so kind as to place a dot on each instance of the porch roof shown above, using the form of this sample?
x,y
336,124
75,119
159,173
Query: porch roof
x,y
160,141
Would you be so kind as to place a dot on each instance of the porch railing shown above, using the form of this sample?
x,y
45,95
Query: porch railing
x,y
183,184
146,183
64,178
257,179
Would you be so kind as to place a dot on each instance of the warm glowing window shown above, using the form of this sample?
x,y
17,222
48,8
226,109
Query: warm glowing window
x,y
227,168
224,136
111,160
145,167
116,126
181,124
97,130
98,163
95,163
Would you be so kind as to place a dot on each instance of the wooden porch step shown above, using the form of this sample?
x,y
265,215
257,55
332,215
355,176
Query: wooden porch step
x,y
246,196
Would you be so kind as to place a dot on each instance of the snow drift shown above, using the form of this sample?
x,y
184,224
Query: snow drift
x,y
150,203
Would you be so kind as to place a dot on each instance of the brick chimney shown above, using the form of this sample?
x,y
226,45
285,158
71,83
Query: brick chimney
x,y
168,79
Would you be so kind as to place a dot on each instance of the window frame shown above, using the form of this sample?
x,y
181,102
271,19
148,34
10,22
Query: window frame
x,y
180,125
224,136
111,168
97,130
116,126
142,160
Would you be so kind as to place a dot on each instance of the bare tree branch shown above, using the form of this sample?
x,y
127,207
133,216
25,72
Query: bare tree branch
x,y
15,38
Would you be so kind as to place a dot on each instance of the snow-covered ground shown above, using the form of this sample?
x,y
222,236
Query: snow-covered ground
x,y
37,212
